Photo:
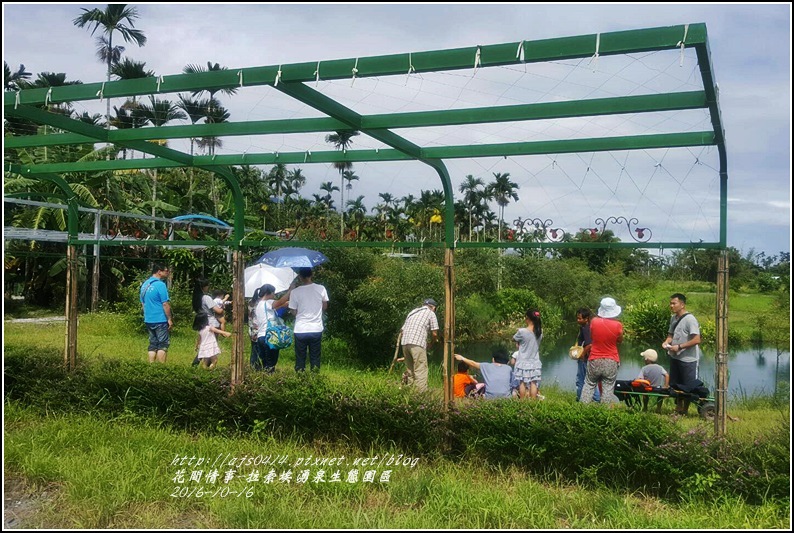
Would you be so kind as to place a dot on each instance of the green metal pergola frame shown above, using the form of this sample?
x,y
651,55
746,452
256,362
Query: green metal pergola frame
x,y
291,80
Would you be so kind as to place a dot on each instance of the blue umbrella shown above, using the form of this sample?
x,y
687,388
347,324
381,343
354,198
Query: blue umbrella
x,y
292,257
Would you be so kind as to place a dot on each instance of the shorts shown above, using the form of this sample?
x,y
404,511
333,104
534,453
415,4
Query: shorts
x,y
159,336
682,373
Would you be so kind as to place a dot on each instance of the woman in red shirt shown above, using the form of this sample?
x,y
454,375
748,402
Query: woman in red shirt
x,y
602,365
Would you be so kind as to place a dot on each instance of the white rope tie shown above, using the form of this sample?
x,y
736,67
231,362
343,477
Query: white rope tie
x,y
594,59
278,76
682,44
240,75
159,81
355,71
101,92
317,75
520,51
16,100
48,97
410,68
477,62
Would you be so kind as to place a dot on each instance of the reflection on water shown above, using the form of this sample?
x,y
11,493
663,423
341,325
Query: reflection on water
x,y
751,370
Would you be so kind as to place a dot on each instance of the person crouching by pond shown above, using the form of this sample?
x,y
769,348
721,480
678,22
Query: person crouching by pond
x,y
527,360
463,385
207,349
497,375
602,366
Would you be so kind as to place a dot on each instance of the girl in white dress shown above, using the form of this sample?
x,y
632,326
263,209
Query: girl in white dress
x,y
207,349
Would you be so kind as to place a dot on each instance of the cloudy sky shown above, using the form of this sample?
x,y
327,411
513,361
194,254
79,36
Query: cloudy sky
x,y
674,193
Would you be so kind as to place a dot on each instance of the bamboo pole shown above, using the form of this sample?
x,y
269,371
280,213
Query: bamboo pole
x,y
449,322
721,363
238,306
95,269
396,351
70,351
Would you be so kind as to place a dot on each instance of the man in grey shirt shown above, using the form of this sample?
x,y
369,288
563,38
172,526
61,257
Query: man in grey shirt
x,y
682,345
498,376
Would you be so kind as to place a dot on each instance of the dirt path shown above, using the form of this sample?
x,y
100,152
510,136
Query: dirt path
x,y
40,320
21,503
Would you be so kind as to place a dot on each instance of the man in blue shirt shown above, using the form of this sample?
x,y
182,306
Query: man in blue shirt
x,y
157,313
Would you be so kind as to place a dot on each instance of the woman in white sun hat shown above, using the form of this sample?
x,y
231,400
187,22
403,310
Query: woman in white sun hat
x,y
602,366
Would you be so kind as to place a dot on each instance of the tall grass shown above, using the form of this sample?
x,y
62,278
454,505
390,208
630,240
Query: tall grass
x,y
112,472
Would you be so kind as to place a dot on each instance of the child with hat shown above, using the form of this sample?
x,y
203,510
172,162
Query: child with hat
x,y
655,374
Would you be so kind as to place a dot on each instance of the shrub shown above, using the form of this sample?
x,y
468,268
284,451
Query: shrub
x,y
591,444
646,320
474,318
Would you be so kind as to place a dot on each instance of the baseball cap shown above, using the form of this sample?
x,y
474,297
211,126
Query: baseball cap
x,y
650,355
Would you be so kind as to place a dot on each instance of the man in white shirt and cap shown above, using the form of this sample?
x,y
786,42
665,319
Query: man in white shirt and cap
x,y
418,323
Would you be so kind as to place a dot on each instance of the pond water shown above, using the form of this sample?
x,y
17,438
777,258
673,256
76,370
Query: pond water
x,y
751,371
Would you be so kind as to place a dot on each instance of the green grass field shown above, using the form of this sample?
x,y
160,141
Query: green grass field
x,y
86,470
117,473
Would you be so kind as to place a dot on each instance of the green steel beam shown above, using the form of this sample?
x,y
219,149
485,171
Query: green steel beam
x,y
642,142
712,99
623,42
98,134
637,142
336,110
591,245
452,117
411,245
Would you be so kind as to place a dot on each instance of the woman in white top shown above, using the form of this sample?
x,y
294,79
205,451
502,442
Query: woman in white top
x,y
265,308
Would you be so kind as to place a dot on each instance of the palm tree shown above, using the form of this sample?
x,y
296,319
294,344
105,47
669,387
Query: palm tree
x,y
278,180
472,189
329,188
502,190
14,81
130,70
195,110
54,79
95,120
350,177
342,140
211,67
356,209
159,113
111,20
297,179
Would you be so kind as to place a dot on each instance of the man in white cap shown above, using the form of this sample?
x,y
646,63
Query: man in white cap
x,y
602,366
654,374
417,324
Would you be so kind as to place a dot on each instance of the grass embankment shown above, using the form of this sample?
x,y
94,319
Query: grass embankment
x,y
114,472
101,443
744,308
